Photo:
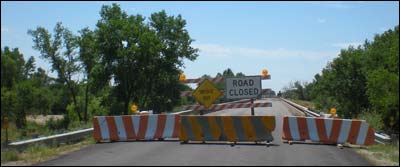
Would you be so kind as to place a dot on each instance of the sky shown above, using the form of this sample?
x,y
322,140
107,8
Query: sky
x,y
292,40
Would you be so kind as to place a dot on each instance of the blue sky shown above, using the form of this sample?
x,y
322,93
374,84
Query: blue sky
x,y
292,40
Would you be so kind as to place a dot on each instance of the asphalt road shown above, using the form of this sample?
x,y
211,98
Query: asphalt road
x,y
221,154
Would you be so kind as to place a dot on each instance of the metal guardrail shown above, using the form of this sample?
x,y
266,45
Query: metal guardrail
x,y
76,135
379,137
54,139
382,138
301,108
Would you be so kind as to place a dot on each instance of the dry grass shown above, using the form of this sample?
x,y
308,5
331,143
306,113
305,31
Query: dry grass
x,y
40,119
381,154
307,104
39,153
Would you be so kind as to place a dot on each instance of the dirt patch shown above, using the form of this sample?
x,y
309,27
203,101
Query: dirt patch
x,y
41,119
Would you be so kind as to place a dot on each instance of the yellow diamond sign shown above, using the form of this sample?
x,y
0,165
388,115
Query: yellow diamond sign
x,y
206,93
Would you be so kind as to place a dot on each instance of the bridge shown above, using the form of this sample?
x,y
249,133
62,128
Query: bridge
x,y
172,152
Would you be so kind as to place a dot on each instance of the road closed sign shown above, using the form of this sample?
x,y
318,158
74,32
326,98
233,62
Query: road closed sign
x,y
243,87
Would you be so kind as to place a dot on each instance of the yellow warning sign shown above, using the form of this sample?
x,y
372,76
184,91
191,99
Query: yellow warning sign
x,y
133,108
333,111
206,93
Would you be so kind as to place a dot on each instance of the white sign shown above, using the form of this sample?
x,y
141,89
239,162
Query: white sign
x,y
244,87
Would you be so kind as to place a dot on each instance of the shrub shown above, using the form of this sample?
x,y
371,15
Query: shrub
x,y
9,155
373,118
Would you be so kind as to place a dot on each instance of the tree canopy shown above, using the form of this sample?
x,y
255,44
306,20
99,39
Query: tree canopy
x,y
363,79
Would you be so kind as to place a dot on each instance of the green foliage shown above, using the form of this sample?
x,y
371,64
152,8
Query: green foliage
x,y
373,118
126,59
143,59
8,103
25,103
362,81
71,114
65,64
55,125
9,155
95,107
29,67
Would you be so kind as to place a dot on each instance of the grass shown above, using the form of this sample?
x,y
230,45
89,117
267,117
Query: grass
x,y
9,155
308,104
374,119
382,154
38,153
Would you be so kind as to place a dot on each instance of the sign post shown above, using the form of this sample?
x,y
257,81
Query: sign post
x,y
252,107
243,88
391,121
5,126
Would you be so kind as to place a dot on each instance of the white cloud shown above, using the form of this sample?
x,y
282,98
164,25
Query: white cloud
x,y
214,50
345,45
321,20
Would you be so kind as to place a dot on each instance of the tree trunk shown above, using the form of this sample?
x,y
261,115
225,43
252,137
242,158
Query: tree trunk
x,y
86,102
126,106
77,109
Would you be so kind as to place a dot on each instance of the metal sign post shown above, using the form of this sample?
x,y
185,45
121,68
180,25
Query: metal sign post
x,y
5,126
252,106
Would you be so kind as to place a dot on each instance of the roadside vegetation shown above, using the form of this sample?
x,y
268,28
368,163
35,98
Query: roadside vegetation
x,y
124,60
361,83
382,154
39,153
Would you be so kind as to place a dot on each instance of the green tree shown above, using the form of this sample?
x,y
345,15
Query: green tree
x,y
240,74
25,102
118,46
65,64
228,73
361,81
29,67
143,59
382,75
8,103
88,55
12,67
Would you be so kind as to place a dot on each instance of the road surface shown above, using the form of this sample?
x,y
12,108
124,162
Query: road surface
x,y
221,154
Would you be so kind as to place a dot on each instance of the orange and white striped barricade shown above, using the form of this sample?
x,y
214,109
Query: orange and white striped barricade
x,y
227,128
327,130
217,79
136,127
227,106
